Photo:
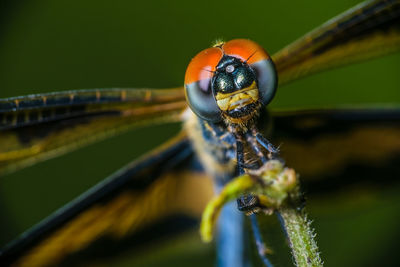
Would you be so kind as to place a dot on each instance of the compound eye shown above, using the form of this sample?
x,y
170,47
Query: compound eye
x,y
259,60
198,78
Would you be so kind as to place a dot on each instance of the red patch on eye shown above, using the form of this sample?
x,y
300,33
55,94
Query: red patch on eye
x,y
203,65
245,50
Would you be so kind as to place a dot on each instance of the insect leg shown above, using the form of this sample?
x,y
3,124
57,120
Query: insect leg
x,y
261,247
243,201
265,143
240,156
250,200
255,147
250,203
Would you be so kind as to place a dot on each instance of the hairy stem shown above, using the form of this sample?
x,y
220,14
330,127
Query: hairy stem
x,y
301,236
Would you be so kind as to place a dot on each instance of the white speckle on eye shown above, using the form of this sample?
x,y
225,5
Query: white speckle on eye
x,y
239,79
222,83
230,68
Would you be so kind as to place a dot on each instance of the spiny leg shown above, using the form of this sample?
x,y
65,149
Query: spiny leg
x,y
251,202
261,248
266,144
240,155
254,146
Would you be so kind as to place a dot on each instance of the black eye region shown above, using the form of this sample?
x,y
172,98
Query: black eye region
x,y
224,83
231,75
244,77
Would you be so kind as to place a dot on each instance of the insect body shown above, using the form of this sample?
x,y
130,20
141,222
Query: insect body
x,y
227,86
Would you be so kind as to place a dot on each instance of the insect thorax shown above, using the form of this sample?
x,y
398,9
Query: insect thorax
x,y
215,146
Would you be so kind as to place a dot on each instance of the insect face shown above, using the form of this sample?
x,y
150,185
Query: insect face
x,y
230,82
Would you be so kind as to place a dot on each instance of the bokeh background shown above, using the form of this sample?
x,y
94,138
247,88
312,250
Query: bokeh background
x,y
48,46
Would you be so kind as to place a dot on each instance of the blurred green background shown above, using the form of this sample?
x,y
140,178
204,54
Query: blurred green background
x,y
48,46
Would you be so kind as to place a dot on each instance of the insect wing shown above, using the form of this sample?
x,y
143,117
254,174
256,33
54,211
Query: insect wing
x,y
165,189
331,148
367,30
38,127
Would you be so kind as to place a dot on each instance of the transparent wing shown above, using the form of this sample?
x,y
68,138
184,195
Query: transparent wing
x,y
37,127
334,147
367,30
161,194
348,160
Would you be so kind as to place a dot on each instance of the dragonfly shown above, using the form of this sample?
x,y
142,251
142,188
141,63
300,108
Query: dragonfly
x,y
61,122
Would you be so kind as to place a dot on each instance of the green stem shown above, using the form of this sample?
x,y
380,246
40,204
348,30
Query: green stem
x,y
301,237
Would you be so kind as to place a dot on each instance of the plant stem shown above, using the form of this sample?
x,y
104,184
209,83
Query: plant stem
x,y
301,236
